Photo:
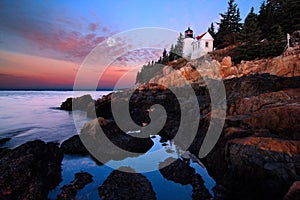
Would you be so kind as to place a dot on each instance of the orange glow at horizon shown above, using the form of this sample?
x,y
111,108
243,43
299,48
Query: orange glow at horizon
x,y
22,70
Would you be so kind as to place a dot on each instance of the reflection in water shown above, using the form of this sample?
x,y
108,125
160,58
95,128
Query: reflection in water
x,y
22,123
163,186
181,172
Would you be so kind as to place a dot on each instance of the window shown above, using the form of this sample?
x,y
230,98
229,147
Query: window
x,y
206,44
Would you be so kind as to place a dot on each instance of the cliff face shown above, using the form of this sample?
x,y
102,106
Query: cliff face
x,y
287,65
257,155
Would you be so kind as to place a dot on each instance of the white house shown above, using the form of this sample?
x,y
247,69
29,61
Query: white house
x,y
195,47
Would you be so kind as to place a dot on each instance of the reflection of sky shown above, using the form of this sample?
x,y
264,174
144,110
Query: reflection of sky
x,y
42,43
43,122
170,189
156,155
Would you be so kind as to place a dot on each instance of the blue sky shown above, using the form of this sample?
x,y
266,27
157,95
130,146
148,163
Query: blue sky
x,y
66,31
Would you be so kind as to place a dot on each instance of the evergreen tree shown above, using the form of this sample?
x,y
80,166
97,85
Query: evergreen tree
x,y
275,13
288,15
164,53
138,78
229,26
250,32
263,20
236,22
165,57
178,49
171,53
276,34
211,30
293,8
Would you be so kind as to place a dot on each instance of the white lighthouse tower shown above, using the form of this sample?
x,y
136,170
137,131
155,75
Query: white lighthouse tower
x,y
187,43
195,47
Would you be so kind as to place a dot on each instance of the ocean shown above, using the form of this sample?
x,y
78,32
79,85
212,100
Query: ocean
x,y
31,115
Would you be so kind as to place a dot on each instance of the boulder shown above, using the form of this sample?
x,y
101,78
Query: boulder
x,y
30,171
249,105
294,192
280,119
123,185
78,103
93,135
80,181
261,168
181,172
73,145
4,140
177,170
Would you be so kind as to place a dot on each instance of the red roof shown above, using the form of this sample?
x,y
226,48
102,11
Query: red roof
x,y
200,36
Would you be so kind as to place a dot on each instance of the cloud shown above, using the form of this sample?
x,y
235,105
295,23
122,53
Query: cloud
x,y
50,35
92,27
105,29
138,57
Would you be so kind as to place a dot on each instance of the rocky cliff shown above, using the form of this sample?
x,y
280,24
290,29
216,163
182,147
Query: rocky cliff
x,y
288,65
258,153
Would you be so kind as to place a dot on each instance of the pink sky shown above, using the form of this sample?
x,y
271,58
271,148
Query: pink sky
x,y
35,72
43,43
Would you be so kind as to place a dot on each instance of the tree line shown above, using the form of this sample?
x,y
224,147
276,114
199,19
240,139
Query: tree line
x,y
152,68
262,34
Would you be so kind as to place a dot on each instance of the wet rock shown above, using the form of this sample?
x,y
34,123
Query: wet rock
x,y
247,106
236,132
4,140
123,185
261,168
73,145
101,108
78,103
282,119
69,191
30,171
258,105
199,190
179,171
255,84
3,151
294,192
110,142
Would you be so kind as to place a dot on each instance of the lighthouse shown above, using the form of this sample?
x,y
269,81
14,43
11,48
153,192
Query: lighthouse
x,y
187,43
195,47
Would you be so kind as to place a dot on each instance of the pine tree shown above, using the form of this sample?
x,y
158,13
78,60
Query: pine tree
x,y
229,26
178,49
288,15
171,53
211,30
138,78
250,32
276,33
275,13
293,7
236,22
165,57
263,20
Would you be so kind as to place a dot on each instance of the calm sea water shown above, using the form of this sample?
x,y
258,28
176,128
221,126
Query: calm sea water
x,y
30,115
